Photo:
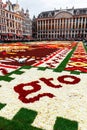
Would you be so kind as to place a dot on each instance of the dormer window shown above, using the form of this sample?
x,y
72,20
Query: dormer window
x,y
50,15
9,8
41,15
77,12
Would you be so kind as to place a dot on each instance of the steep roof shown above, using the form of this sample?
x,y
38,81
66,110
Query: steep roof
x,y
52,13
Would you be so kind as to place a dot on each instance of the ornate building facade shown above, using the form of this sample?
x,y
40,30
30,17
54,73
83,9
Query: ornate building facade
x,y
14,22
67,24
2,19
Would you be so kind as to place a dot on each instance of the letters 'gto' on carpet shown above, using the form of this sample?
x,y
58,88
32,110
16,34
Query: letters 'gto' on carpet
x,y
43,86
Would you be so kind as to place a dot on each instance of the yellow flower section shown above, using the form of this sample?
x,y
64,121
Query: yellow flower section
x,y
79,64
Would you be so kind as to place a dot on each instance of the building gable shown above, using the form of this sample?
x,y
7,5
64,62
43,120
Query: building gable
x,y
63,14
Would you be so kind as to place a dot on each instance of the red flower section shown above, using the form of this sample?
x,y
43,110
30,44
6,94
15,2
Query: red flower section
x,y
36,98
4,71
35,87
63,79
4,53
77,68
78,59
49,83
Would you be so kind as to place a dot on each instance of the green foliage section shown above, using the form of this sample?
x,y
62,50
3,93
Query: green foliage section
x,y
65,124
63,64
42,68
2,105
17,72
85,47
21,121
26,67
24,118
6,78
76,72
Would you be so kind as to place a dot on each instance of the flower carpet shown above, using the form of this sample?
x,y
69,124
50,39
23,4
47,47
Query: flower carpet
x,y
43,86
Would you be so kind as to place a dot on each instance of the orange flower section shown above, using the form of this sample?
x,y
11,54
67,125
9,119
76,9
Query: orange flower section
x,y
78,61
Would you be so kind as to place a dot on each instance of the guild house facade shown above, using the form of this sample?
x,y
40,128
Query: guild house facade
x,y
63,24
14,22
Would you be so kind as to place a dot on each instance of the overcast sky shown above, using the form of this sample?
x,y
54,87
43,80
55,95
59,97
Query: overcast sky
x,y
37,6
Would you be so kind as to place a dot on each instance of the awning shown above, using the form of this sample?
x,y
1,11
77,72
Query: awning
x,y
29,37
10,34
4,34
19,35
